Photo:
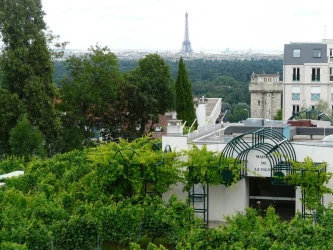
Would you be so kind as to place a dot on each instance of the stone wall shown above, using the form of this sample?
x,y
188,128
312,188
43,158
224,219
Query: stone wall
x,y
265,98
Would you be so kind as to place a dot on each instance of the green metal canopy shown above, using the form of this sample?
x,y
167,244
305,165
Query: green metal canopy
x,y
274,145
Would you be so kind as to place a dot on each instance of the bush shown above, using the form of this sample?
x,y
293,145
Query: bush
x,y
12,246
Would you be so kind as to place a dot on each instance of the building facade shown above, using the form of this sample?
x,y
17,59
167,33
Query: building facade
x,y
266,95
307,76
256,185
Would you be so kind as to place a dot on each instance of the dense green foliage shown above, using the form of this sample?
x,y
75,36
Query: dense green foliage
x,y
201,70
147,92
238,112
226,79
11,109
312,179
27,71
278,115
184,99
25,140
208,167
251,231
88,96
72,199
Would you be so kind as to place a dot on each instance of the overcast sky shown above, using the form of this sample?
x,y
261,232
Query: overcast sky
x,y
213,24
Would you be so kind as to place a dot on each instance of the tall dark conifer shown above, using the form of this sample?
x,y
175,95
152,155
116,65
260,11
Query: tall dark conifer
x,y
184,99
26,68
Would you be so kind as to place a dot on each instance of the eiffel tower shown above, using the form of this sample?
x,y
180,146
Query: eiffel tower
x,y
186,46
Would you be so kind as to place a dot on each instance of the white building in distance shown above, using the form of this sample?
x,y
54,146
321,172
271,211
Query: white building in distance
x,y
307,75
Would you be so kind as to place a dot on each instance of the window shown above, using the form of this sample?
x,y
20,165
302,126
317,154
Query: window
x,y
295,93
315,93
315,97
272,95
295,74
317,53
331,93
315,77
331,55
331,74
295,109
258,103
296,96
296,53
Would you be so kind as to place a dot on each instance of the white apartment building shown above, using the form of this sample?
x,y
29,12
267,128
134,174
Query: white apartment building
x,y
307,75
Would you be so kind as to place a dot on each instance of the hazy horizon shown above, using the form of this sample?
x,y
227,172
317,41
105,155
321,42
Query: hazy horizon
x,y
216,25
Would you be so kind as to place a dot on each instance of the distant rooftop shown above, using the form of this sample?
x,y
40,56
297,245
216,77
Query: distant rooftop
x,y
223,135
323,41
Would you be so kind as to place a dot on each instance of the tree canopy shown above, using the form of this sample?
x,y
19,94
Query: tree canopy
x,y
27,69
238,113
88,94
25,140
184,99
148,91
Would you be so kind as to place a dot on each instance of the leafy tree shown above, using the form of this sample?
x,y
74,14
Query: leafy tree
x,y
11,107
26,66
278,115
226,106
12,246
324,107
88,95
184,99
60,72
148,91
26,140
313,181
239,112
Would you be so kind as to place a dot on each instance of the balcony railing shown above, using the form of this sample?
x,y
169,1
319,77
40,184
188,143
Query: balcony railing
x,y
295,77
315,78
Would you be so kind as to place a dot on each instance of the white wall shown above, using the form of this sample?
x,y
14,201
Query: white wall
x,y
225,201
201,114
177,143
216,111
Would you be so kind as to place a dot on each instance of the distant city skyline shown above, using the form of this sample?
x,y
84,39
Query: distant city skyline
x,y
213,25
